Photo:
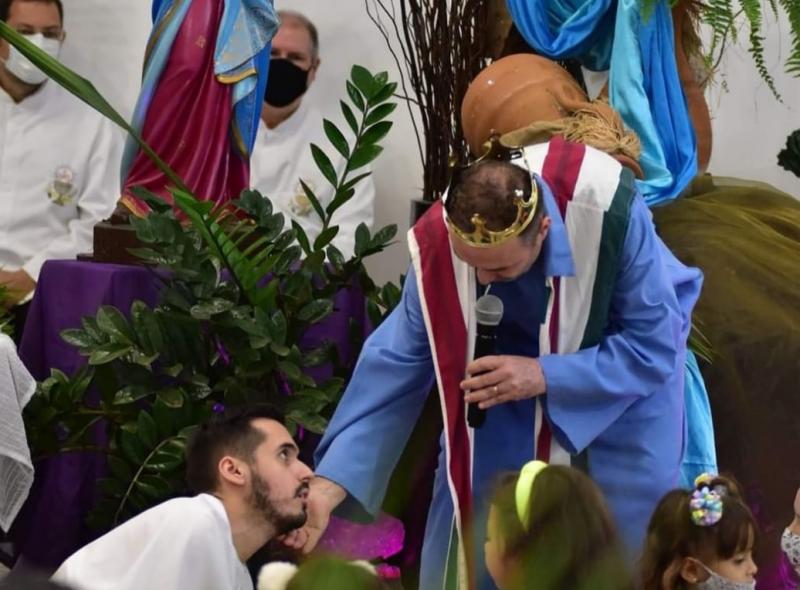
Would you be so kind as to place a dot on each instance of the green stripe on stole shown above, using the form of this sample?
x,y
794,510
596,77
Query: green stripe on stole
x,y
612,241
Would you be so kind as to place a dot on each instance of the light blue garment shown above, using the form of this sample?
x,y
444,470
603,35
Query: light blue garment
x,y
621,401
643,82
701,452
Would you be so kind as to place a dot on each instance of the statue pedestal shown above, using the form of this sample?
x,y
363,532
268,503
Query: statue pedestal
x,y
112,242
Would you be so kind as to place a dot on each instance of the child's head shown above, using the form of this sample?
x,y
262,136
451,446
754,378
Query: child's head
x,y
701,538
549,528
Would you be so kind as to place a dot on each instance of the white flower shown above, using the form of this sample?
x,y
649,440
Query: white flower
x,y
276,575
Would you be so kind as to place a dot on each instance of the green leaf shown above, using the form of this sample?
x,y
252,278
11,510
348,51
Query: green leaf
x,y
77,338
302,238
90,326
381,78
131,393
108,353
111,321
206,309
349,117
132,447
120,468
146,429
335,256
315,311
318,356
324,165
336,138
287,259
375,133
355,96
384,236
379,113
278,327
384,93
312,197
279,349
165,460
363,80
311,422
363,155
153,486
325,237
362,238
172,398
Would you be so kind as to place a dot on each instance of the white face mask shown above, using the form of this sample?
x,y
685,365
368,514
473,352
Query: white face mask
x,y
22,68
717,582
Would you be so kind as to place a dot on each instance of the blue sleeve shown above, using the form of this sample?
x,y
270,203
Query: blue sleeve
x,y
380,407
643,345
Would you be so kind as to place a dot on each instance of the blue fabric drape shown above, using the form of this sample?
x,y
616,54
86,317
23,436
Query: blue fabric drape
x,y
643,84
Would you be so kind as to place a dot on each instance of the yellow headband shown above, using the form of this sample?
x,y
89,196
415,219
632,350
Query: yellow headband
x,y
480,236
524,487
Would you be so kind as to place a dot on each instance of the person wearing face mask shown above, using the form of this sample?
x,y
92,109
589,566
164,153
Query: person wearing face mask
x,y
701,539
282,157
58,159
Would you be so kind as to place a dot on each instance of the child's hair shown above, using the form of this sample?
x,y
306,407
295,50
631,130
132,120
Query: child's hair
x,y
707,531
569,539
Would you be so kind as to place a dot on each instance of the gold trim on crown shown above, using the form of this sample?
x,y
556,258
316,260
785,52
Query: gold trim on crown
x,y
481,236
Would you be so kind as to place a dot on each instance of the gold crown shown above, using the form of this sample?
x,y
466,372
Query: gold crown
x,y
481,236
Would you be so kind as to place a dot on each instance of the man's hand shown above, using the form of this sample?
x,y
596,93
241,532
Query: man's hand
x,y
795,526
503,379
19,284
323,497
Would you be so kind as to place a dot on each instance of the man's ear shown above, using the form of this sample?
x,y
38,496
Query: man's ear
x,y
233,471
544,227
312,74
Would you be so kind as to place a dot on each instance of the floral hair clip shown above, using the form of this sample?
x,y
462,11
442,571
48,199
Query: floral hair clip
x,y
705,507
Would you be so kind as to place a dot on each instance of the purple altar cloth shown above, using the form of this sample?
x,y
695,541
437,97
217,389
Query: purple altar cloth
x,y
51,524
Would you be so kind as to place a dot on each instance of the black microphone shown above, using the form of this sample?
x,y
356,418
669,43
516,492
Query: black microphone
x,y
488,312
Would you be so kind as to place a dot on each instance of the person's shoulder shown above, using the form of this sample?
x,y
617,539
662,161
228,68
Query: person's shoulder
x,y
193,513
69,108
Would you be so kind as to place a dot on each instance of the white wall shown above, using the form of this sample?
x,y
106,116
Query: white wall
x,y
107,38
750,127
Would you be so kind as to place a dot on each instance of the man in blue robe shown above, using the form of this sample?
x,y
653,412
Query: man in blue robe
x,y
589,363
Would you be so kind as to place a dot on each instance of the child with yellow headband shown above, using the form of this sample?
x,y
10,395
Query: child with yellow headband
x,y
550,529
701,539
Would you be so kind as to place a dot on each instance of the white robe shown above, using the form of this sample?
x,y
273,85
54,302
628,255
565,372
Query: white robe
x,y
182,544
59,176
282,156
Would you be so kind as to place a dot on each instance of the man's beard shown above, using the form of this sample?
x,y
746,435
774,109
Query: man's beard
x,y
262,503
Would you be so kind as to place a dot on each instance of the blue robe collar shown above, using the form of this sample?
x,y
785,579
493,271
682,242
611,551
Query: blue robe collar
x,y
556,253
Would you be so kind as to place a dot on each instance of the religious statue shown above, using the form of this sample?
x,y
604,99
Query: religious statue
x,y
205,73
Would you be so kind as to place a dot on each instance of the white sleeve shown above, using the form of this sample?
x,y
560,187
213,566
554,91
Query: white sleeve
x,y
98,197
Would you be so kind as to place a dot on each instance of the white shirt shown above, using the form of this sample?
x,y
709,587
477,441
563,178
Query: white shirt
x,y
282,156
182,544
59,176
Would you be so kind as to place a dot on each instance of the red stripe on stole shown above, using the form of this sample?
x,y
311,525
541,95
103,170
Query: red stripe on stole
x,y
560,171
444,311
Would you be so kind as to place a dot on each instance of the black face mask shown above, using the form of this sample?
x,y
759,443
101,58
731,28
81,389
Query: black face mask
x,y
286,83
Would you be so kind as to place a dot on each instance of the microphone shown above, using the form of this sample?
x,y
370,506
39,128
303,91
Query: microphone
x,y
488,313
